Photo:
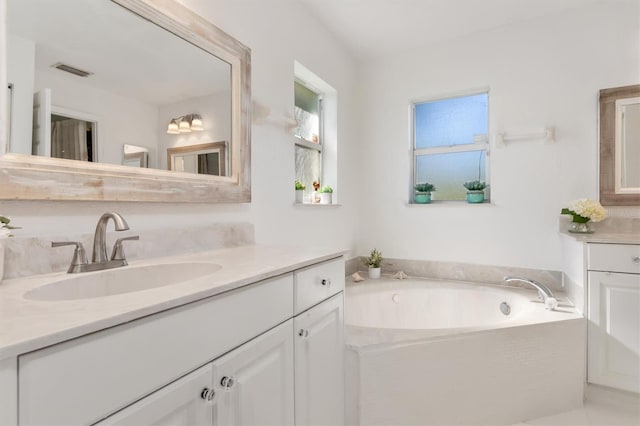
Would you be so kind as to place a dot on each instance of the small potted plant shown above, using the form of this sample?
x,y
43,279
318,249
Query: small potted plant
x,y
373,261
325,194
299,191
475,191
423,192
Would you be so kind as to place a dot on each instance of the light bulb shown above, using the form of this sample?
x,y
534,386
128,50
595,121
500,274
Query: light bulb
x,y
196,123
184,126
173,128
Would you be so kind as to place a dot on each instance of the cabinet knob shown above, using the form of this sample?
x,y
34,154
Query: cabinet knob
x,y
636,259
207,394
227,382
326,282
303,333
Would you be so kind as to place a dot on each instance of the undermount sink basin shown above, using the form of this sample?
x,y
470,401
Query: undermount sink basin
x,y
121,280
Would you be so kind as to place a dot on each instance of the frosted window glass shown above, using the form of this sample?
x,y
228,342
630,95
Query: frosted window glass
x,y
449,171
451,121
308,166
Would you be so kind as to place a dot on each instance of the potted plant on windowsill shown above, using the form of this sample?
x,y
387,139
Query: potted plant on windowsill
x,y
373,261
299,191
423,192
326,194
475,191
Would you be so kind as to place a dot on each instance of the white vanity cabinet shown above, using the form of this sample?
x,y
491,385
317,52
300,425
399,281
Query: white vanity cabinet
x,y
237,358
614,315
251,385
319,345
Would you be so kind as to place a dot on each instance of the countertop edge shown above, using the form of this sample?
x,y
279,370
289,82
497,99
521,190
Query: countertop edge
x,y
39,342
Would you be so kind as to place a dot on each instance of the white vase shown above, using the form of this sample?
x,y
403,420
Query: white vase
x,y
325,197
374,273
299,196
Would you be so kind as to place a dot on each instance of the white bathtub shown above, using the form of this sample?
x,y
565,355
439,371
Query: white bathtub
x,y
426,352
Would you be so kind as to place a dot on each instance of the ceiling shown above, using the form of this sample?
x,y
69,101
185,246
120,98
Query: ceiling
x,y
373,28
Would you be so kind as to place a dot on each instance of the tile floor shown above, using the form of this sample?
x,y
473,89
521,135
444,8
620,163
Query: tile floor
x,y
602,407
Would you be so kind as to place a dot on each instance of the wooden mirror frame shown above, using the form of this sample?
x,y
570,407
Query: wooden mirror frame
x,y
608,97
27,177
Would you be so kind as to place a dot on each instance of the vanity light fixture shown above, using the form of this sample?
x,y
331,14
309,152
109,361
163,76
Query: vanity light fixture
x,y
185,124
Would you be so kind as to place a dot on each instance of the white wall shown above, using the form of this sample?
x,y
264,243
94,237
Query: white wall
x,y
278,32
543,72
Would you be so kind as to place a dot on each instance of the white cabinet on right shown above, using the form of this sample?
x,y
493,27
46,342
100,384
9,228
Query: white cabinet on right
x,y
614,315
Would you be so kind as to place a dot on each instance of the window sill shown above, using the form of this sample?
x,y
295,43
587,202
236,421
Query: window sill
x,y
451,204
316,205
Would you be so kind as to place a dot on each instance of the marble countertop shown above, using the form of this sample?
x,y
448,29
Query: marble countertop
x,y
27,325
606,237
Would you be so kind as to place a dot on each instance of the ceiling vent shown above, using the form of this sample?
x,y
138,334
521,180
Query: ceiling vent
x,y
72,70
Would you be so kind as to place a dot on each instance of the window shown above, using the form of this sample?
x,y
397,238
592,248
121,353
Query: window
x,y
450,143
316,135
308,114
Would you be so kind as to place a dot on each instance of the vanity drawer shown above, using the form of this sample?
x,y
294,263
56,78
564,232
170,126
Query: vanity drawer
x,y
86,379
614,257
317,283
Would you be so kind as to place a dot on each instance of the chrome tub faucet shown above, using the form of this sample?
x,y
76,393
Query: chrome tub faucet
x,y
545,294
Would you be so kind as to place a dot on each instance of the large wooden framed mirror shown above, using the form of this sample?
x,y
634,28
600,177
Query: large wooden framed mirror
x,y
620,146
88,77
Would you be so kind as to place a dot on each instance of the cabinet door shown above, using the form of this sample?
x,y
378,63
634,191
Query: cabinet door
x,y
319,359
254,383
614,330
182,402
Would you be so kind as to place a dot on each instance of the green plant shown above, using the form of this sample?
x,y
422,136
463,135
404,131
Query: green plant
x,y
424,187
326,189
475,185
299,186
375,259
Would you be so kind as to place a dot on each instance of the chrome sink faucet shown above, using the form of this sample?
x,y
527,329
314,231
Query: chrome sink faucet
x,y
99,259
545,294
100,236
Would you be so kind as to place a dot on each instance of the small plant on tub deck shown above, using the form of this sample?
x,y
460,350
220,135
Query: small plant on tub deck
x,y
326,192
475,191
423,192
374,260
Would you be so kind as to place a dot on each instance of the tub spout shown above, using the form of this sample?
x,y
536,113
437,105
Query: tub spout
x,y
550,302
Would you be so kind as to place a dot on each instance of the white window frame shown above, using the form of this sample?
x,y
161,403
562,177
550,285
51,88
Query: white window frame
x,y
482,143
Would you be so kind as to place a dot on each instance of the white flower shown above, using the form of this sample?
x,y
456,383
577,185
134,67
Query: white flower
x,y
4,231
588,208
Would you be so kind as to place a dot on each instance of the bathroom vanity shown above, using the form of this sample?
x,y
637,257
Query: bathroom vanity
x,y
609,266
258,341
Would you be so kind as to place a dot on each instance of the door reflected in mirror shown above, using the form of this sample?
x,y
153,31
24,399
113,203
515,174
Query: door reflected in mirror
x,y
133,80
208,158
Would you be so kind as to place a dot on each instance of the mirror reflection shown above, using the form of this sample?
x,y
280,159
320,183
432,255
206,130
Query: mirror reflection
x,y
628,144
208,158
88,90
135,156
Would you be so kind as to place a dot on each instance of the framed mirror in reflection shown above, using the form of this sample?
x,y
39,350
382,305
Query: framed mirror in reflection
x,y
87,76
208,158
620,146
